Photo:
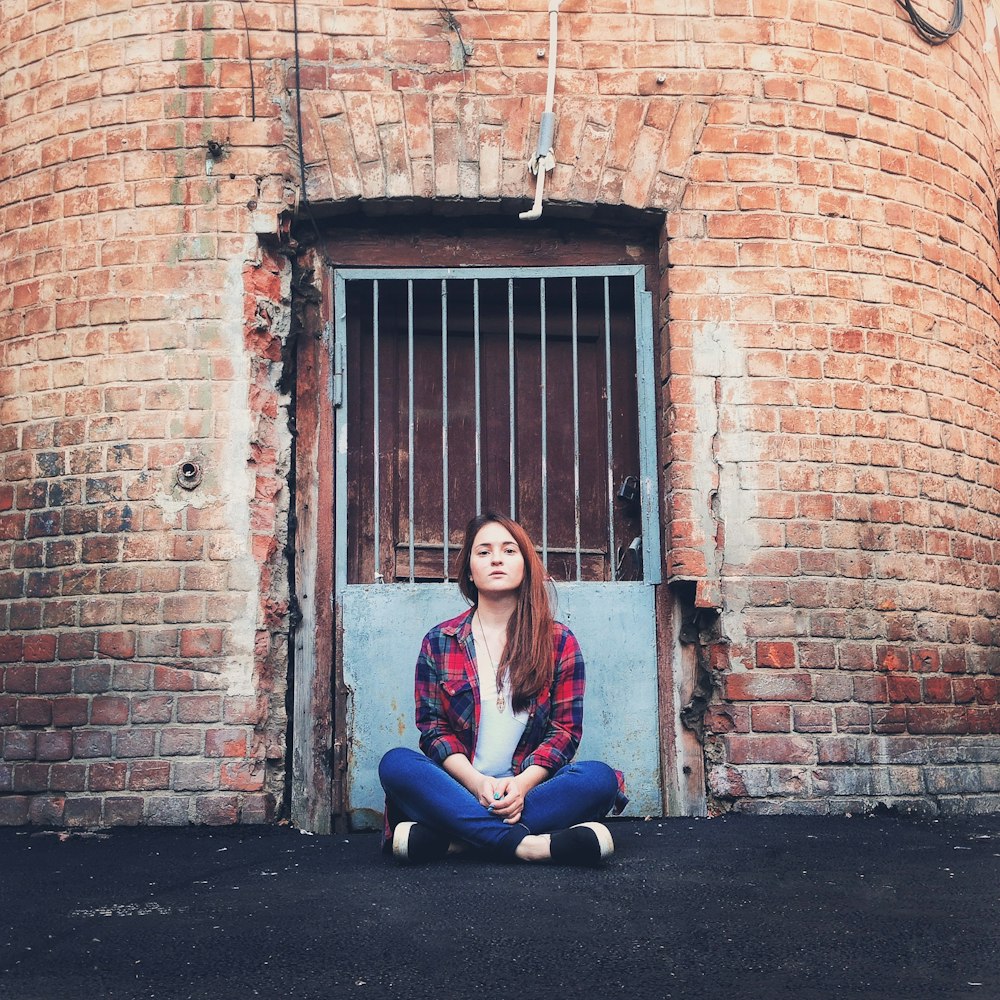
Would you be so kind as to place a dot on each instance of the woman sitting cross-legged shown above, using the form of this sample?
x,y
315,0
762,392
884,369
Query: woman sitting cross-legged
x,y
499,697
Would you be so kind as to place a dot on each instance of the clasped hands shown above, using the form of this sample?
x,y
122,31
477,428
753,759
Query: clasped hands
x,y
502,797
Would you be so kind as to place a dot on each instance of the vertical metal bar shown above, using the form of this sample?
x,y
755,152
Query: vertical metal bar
x,y
376,450
479,427
510,392
339,374
444,420
576,437
545,483
648,478
609,418
410,420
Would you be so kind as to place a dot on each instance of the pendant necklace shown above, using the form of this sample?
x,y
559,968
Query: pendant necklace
x,y
501,700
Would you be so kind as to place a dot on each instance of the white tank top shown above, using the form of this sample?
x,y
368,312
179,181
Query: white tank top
x,y
499,732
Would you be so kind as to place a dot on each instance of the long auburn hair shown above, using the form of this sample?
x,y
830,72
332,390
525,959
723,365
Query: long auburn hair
x,y
529,656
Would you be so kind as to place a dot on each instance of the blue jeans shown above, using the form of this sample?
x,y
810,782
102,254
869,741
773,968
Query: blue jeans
x,y
427,794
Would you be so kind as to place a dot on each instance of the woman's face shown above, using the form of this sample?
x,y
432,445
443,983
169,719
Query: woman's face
x,y
496,563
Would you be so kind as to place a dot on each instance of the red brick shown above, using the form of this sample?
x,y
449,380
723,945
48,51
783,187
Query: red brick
x,y
135,742
172,679
68,777
937,689
40,648
217,810
146,775
775,654
771,718
30,777
892,658
107,776
194,776
201,642
199,708
34,711
152,709
225,743
852,718
91,678
46,810
242,776
92,743
56,745
20,679
70,711
117,645
76,646
769,750
243,709
828,227
11,648
110,710
871,688
14,810
55,680
19,745
132,676
812,719
760,685
904,687
123,811
927,720
82,811
987,690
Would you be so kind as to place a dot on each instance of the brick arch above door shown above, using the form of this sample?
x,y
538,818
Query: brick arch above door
x,y
417,145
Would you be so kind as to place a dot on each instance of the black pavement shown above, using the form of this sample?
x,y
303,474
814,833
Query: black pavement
x,y
765,908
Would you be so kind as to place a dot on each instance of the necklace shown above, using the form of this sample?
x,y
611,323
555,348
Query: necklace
x,y
501,700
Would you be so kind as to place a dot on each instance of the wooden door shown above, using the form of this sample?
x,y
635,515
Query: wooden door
x,y
523,390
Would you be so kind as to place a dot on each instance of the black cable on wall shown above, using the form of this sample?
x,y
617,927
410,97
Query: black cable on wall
x,y
926,30
298,100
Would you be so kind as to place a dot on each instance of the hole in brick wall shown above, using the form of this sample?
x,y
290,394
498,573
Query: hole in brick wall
x,y
189,475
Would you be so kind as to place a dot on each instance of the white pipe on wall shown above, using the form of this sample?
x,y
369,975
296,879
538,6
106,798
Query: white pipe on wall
x,y
544,160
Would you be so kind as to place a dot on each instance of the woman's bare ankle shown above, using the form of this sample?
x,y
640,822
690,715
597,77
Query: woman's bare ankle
x,y
534,847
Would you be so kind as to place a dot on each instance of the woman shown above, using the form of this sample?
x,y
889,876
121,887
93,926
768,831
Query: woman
x,y
499,695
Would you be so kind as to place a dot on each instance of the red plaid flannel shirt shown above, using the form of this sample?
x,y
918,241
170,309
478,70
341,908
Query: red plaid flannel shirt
x,y
447,701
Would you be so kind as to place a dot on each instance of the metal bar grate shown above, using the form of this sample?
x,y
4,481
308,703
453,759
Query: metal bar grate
x,y
410,443
576,437
514,389
376,444
610,419
511,377
444,422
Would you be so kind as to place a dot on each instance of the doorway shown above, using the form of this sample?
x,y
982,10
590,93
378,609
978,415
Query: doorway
x,y
457,386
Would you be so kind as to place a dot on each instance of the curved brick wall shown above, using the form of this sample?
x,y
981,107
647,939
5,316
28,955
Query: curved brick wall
x,y
140,682
830,343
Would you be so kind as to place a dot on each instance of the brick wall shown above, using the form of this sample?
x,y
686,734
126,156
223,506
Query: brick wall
x,y
830,366
141,682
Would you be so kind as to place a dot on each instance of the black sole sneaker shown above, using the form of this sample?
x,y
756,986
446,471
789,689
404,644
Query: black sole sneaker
x,y
583,844
413,844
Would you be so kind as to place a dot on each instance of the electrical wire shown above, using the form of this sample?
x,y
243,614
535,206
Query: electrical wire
x,y
926,30
298,101
253,94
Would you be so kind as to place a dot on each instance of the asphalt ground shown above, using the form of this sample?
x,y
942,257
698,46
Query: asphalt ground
x,y
766,908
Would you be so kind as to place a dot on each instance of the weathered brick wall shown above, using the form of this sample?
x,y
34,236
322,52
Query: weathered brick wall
x,y
834,315
830,361
141,682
